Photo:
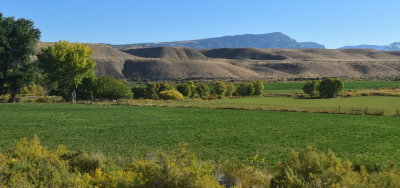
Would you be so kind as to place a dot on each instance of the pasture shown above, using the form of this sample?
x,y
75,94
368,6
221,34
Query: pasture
x,y
369,104
290,87
128,131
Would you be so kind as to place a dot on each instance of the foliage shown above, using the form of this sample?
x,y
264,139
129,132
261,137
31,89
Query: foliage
x,y
139,92
85,90
29,164
258,87
180,169
246,89
230,89
33,90
219,88
66,65
187,89
170,95
202,90
329,88
17,41
311,87
110,88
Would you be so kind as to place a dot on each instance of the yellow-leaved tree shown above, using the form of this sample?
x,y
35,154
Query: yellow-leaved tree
x,y
65,65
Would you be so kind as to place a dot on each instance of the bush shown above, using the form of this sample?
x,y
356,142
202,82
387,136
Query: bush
x,y
151,90
258,87
230,89
311,87
85,90
139,92
245,89
187,89
329,88
33,90
219,88
202,90
170,95
109,88
28,164
181,169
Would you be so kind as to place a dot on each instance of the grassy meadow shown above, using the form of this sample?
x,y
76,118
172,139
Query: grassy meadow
x,y
290,87
370,104
128,131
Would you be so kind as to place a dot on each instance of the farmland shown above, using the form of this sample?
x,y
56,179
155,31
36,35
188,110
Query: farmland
x,y
287,87
369,104
129,131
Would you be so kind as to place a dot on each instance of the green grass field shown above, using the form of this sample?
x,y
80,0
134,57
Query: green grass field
x,y
287,87
373,104
212,133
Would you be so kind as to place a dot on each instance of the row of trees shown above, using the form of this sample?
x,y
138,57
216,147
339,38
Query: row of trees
x,y
67,70
219,89
327,88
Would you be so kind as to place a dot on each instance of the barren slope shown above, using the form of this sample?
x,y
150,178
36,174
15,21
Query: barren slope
x,y
175,63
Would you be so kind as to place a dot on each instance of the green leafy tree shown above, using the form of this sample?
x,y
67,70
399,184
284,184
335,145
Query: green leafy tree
x,y
107,87
230,89
66,65
219,88
17,41
330,88
151,91
85,90
258,87
245,89
311,88
187,89
202,90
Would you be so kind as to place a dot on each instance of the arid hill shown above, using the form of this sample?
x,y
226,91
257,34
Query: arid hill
x,y
176,63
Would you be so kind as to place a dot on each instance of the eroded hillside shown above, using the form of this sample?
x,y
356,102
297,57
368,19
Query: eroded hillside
x,y
176,63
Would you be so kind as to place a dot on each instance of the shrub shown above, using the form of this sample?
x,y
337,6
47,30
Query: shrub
x,y
311,169
230,89
139,92
110,88
170,95
187,89
219,88
85,90
245,89
181,169
33,90
330,88
164,86
202,90
258,87
311,87
151,90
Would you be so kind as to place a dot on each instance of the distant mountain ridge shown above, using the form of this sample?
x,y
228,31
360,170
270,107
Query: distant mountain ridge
x,y
392,47
270,40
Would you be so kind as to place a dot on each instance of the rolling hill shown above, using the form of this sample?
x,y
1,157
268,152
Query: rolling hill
x,y
179,63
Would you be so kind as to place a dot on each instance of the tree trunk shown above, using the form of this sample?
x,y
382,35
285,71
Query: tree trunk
x,y
12,98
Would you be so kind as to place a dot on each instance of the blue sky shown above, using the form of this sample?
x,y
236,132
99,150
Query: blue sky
x,y
334,23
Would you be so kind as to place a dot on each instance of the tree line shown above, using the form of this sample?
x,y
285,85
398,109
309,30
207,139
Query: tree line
x,y
67,69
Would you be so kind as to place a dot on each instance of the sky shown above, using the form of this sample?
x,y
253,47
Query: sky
x,y
333,23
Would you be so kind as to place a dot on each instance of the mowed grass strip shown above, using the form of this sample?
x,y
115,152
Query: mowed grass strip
x,y
127,131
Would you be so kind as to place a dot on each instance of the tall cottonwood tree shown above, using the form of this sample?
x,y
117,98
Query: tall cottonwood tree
x,y
66,65
17,43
